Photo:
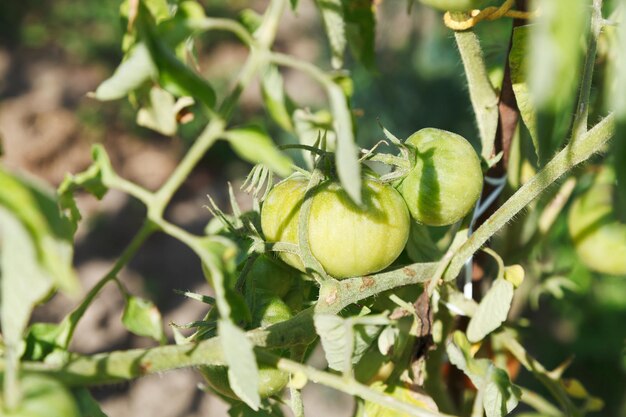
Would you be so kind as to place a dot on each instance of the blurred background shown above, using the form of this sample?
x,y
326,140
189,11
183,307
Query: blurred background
x,y
52,53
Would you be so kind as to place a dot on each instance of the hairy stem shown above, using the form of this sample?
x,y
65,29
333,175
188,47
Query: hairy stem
x,y
573,154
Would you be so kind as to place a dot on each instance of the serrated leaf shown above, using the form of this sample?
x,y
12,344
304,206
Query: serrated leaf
x,y
346,156
519,79
332,15
90,180
87,405
255,146
273,91
243,372
159,114
143,318
131,74
37,209
492,310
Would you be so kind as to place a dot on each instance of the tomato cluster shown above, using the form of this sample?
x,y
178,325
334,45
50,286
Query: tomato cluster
x,y
347,240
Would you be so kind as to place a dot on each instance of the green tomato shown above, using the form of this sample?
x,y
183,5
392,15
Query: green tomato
x,y
43,396
346,239
269,310
271,275
599,238
454,5
446,178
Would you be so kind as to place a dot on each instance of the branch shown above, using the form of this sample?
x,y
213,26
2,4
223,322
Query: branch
x,y
573,154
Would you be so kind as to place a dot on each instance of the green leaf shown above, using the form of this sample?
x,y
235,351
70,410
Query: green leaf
x,y
242,410
273,90
519,79
131,74
174,75
332,15
90,180
500,396
555,62
346,156
243,372
143,318
344,340
159,114
492,310
24,281
361,29
255,146
87,405
52,234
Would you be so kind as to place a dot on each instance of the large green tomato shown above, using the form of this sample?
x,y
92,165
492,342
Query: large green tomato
x,y
43,396
599,238
346,239
446,178
454,5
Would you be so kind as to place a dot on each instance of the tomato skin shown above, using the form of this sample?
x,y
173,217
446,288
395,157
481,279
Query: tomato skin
x,y
599,238
454,5
271,275
346,239
43,396
446,179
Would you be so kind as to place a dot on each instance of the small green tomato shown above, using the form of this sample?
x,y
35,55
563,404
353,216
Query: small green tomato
x,y
599,238
346,239
446,178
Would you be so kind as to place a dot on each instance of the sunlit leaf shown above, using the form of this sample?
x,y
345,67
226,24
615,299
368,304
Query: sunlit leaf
x,y
255,146
143,318
492,310
243,372
159,114
131,74
272,87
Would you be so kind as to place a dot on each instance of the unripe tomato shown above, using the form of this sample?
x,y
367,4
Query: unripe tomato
x,y
272,381
454,5
43,396
445,180
271,275
346,239
599,238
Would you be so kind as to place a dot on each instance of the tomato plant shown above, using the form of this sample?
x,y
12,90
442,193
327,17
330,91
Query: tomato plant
x,y
346,239
411,266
